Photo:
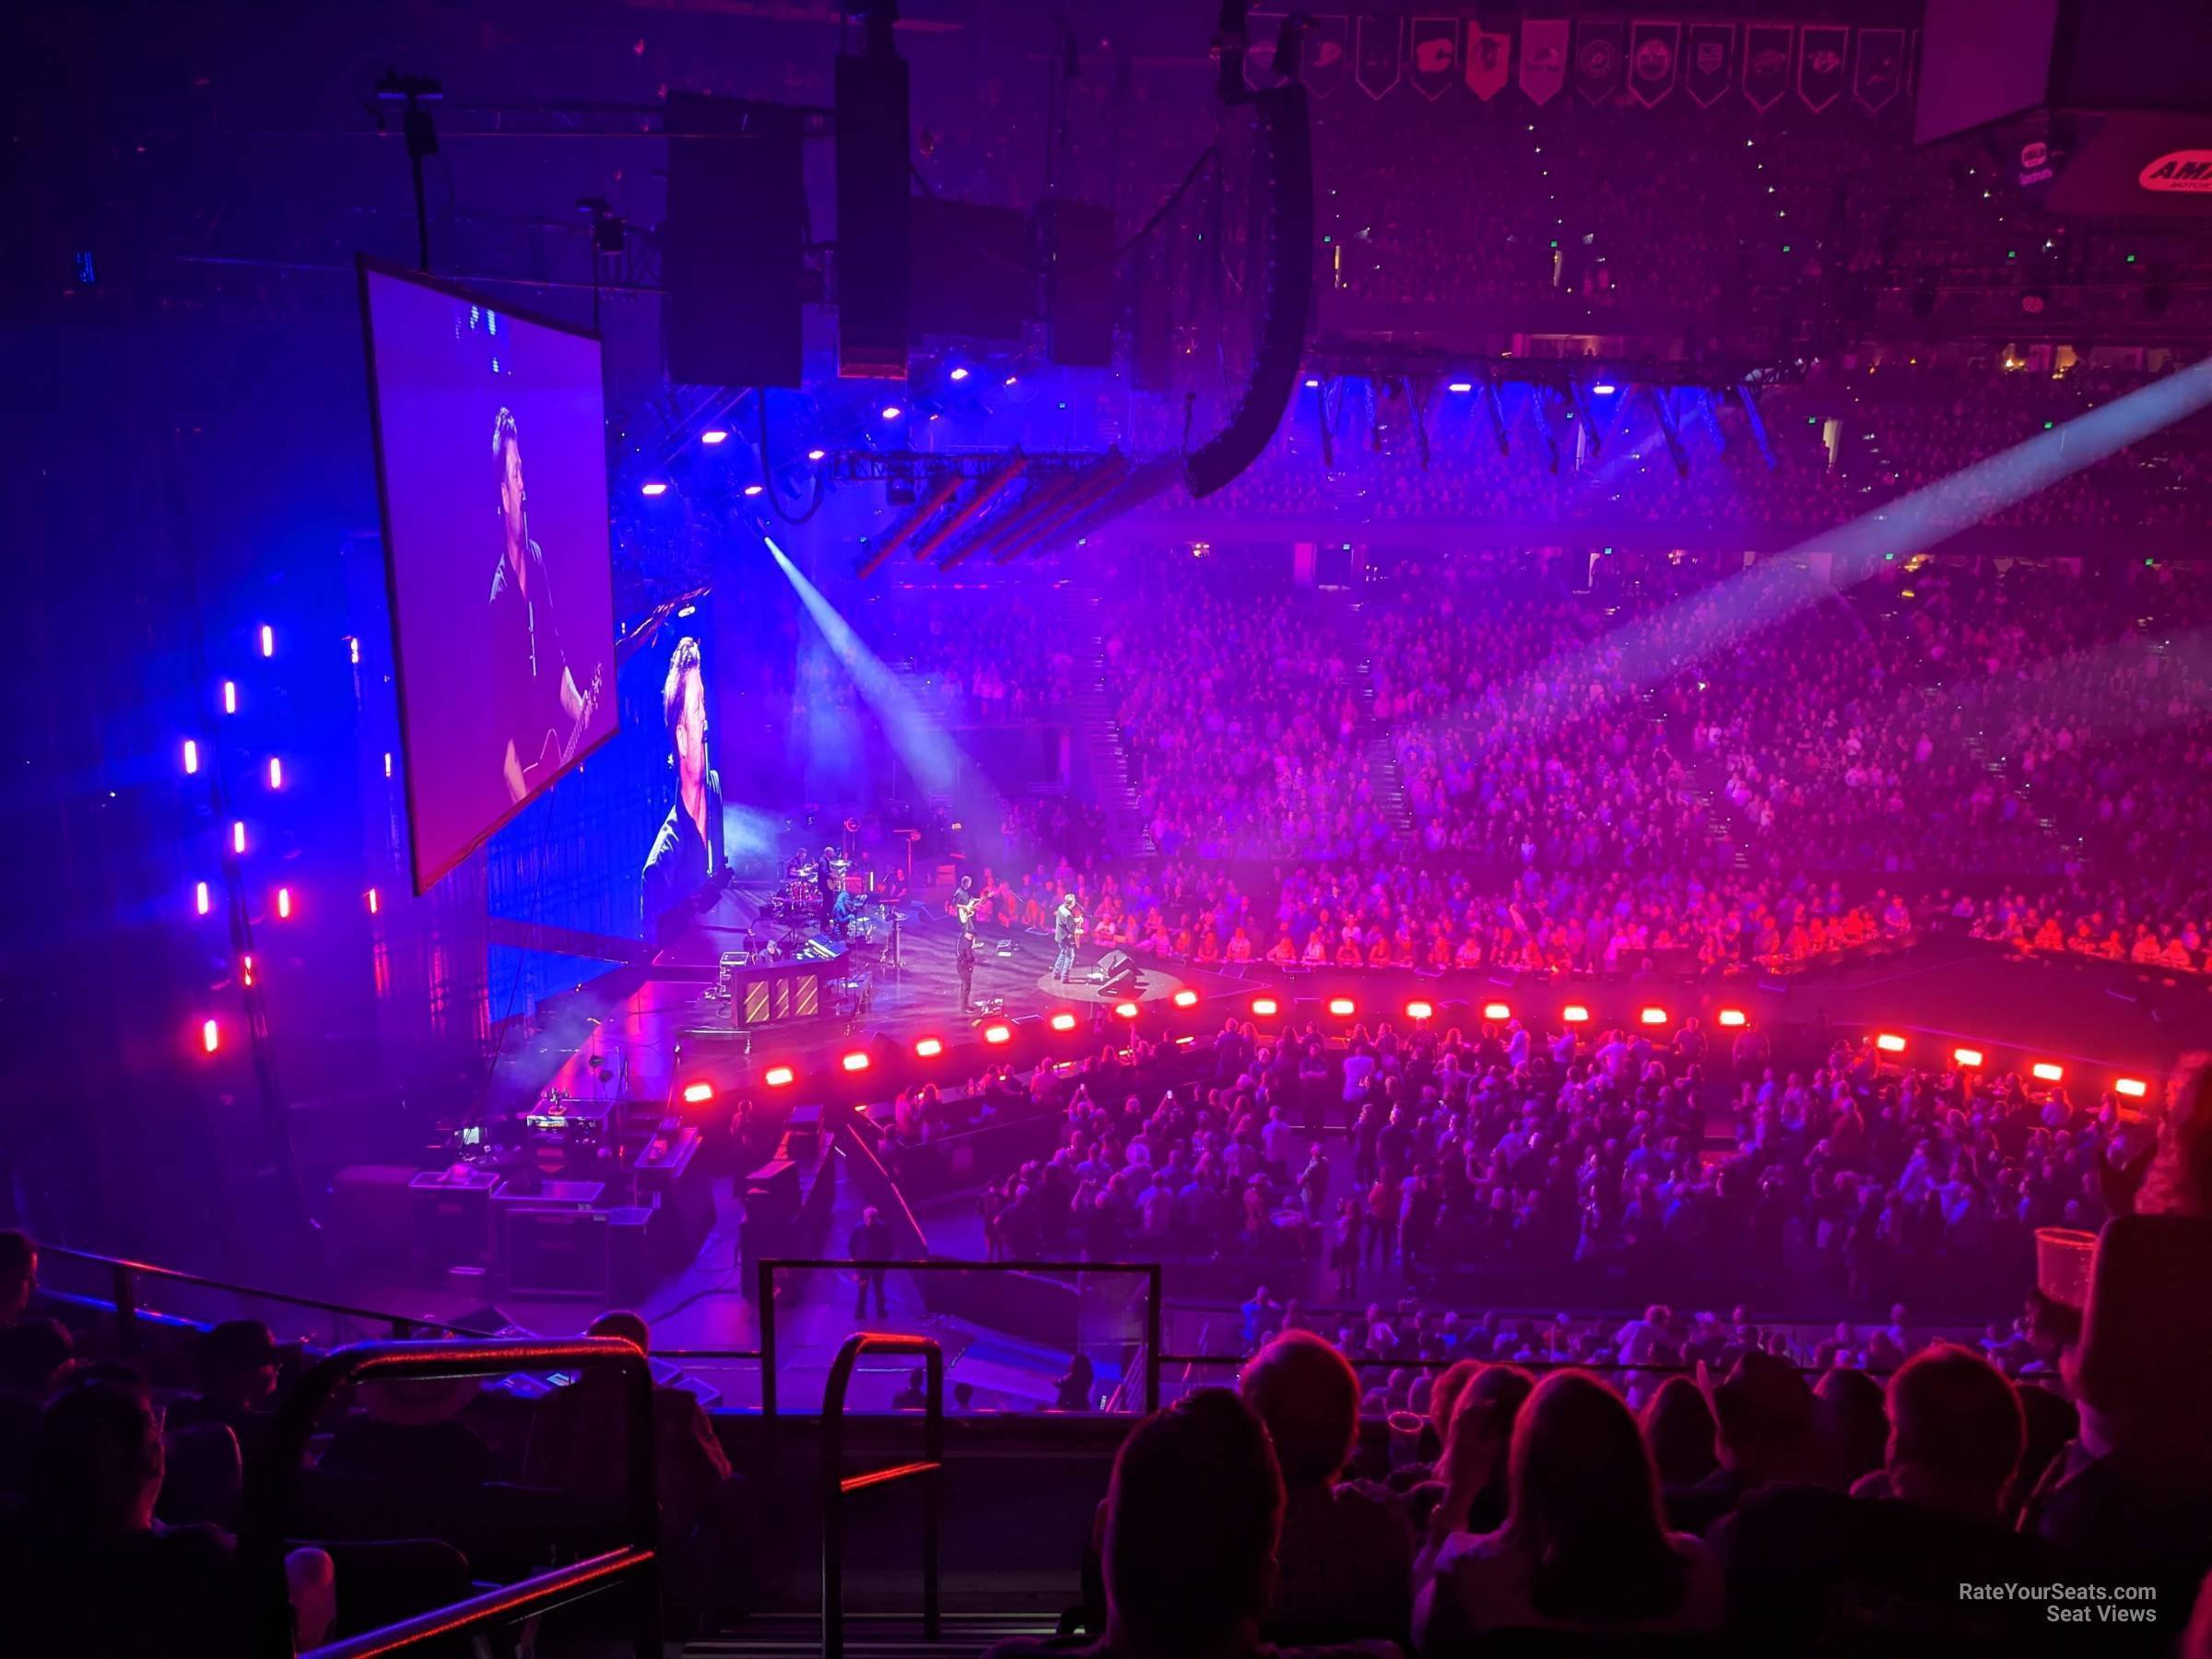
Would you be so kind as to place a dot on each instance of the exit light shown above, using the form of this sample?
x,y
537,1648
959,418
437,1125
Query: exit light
x,y
1343,1007
1064,1021
1575,1014
1890,1042
778,1077
2045,1071
857,1060
995,1034
2135,1088
1266,1007
1186,999
1968,1057
1496,1011
929,1048
1418,1010
1734,1016
1652,1016
697,1094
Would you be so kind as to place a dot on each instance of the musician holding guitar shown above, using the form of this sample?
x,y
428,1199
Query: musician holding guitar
x,y
966,902
543,713
1068,931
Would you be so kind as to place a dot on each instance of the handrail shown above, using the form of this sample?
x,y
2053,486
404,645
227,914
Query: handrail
x,y
836,1484
125,1273
272,1491
764,1302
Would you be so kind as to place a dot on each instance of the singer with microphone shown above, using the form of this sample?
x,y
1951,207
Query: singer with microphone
x,y
1067,929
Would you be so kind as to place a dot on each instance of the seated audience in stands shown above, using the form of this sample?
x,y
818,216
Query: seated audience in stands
x,y
19,1274
239,1362
88,1571
1678,1427
1346,1558
1805,1561
1189,1532
1583,1547
407,1434
579,1438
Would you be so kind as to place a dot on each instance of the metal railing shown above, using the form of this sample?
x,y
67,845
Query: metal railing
x,y
837,1484
123,1276
273,1492
764,1304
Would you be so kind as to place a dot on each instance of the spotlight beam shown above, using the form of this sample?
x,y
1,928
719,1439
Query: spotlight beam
x,y
936,760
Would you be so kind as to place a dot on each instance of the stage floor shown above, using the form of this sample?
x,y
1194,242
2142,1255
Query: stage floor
x,y
633,1029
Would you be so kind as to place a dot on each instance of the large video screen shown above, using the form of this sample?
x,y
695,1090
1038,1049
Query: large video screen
x,y
491,462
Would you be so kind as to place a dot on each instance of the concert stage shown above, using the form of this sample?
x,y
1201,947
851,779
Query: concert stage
x,y
645,1033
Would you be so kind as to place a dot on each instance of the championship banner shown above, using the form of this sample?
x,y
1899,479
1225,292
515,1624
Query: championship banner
x,y
1600,59
1543,58
1654,54
1262,30
1712,63
1382,54
1766,62
1435,55
1879,75
1820,64
1327,54
1488,56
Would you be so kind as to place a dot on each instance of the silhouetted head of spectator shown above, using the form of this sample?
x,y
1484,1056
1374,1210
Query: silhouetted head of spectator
x,y
1768,1430
34,1358
1308,1394
629,1327
1444,1395
238,1361
1679,1429
1851,1413
1585,1506
1956,1433
99,1466
19,1274
1191,1521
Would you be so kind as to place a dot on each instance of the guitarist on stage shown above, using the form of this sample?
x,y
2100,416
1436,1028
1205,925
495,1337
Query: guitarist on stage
x,y
966,902
541,711
1068,931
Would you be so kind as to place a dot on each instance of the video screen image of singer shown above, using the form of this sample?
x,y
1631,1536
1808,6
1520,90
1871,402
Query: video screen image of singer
x,y
492,464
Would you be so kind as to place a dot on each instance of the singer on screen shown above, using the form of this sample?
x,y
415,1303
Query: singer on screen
x,y
687,855
543,713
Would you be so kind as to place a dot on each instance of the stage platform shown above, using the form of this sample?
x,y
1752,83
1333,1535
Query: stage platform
x,y
640,1033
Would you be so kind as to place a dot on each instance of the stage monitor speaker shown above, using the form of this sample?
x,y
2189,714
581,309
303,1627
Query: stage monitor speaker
x,y
1078,283
557,1253
1287,295
772,1192
874,228
1119,968
732,258
971,270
